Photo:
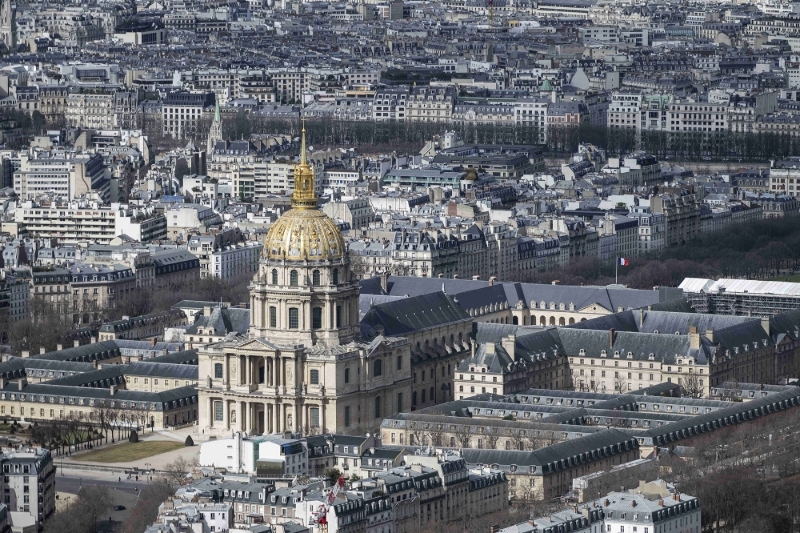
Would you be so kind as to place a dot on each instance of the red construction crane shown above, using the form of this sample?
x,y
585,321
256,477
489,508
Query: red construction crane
x,y
321,515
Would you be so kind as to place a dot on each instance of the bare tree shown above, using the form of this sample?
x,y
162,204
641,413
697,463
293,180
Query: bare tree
x,y
435,434
692,387
620,384
463,434
417,434
176,471
491,438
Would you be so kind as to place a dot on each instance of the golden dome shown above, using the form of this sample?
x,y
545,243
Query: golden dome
x,y
304,232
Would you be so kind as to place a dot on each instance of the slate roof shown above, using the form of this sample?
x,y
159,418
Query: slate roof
x,y
186,357
668,322
604,443
87,352
413,314
223,320
162,370
17,366
101,378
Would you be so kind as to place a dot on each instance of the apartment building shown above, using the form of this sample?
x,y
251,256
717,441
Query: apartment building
x,y
73,223
430,104
91,109
182,113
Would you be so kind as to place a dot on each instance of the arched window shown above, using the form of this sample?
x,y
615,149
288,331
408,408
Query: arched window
x,y
315,278
314,376
515,320
316,317
335,276
377,406
274,276
218,370
293,278
433,395
399,362
377,368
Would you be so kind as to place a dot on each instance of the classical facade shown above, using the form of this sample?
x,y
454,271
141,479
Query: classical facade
x,y
301,367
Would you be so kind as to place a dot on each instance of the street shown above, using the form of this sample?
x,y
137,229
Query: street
x,y
122,493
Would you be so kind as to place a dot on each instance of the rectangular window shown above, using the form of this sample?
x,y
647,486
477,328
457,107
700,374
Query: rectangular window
x,y
347,416
338,316
294,318
314,416
399,401
273,317
218,411
218,370
316,318
314,375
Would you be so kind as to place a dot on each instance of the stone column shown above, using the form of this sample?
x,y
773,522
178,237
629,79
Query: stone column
x,y
276,413
210,422
225,417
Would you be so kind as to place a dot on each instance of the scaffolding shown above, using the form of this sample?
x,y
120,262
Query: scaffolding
x,y
741,297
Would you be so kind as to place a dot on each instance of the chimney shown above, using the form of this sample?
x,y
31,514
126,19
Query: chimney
x,y
641,317
112,390
476,277
508,344
59,347
694,338
633,503
677,496
489,347
606,503
93,339
440,275
555,282
76,343
385,281
94,363
472,347
25,353
207,310
153,342
611,338
710,335
21,383
765,323
492,280
661,503
42,350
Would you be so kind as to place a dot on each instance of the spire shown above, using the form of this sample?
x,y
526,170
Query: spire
x,y
304,196
216,110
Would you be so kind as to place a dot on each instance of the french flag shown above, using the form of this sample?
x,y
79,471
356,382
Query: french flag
x,y
623,262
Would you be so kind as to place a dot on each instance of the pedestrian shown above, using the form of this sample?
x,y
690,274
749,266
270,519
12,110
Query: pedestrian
x,y
137,478
120,479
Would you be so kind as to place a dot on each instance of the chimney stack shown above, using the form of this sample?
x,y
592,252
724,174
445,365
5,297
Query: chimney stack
x,y
42,350
25,353
694,338
112,390
93,339
472,347
508,344
489,347
76,343
385,281
492,279
59,347
765,323
710,335
611,334
153,342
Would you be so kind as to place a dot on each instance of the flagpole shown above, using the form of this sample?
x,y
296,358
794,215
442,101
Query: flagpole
x,y
616,271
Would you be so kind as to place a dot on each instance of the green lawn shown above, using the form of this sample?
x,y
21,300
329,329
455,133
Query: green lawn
x,y
794,278
128,451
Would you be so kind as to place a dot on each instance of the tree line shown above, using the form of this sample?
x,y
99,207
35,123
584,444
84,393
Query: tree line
x,y
760,250
410,136
50,323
